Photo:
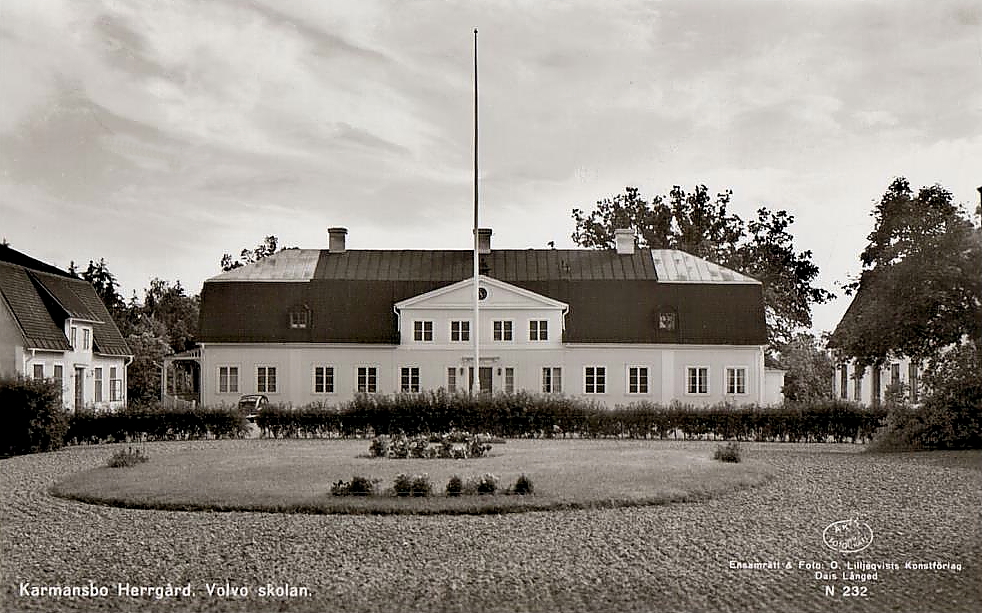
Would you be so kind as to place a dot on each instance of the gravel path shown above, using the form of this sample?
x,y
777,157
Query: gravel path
x,y
668,558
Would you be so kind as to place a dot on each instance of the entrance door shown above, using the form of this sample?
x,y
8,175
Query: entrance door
x,y
485,379
79,388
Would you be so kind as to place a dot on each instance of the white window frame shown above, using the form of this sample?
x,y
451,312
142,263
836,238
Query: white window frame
x,y
409,371
647,380
423,330
266,388
299,318
538,330
97,384
370,371
599,384
549,380
502,333
688,389
74,338
115,385
328,374
34,371
228,378
726,380
461,324
86,339
451,379
509,383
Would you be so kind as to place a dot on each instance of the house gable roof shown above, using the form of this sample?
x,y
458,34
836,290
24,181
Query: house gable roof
x,y
612,298
41,297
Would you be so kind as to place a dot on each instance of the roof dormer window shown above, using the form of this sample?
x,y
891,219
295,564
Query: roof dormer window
x,y
667,321
299,317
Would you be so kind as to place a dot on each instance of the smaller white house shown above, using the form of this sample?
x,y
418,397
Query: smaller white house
x,y
869,386
55,326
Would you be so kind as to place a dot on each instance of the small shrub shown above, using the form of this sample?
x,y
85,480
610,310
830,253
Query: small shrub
x,y
727,453
523,486
421,486
455,486
127,457
403,485
487,484
358,486
379,447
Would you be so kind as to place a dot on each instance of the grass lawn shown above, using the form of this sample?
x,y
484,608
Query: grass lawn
x,y
296,476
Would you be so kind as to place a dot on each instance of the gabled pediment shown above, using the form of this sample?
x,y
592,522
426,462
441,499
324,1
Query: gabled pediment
x,y
497,295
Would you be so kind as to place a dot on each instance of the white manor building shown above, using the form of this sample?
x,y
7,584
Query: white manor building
x,y
615,326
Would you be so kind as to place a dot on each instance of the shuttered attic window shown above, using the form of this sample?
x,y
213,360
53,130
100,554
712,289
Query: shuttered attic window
x,y
299,317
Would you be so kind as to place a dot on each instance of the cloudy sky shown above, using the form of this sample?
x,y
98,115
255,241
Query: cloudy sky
x,y
160,135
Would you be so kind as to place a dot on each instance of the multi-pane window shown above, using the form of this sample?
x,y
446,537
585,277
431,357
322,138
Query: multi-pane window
x,y
299,318
875,386
552,380
86,339
595,380
98,385
895,374
857,393
423,331
697,380
539,330
503,330
637,380
736,380
844,382
367,379
39,371
228,379
912,380
452,379
115,385
509,380
59,376
667,321
266,379
323,379
74,337
410,379
460,331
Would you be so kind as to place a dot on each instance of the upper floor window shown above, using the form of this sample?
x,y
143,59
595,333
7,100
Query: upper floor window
x,y
539,330
299,317
697,380
423,331
552,380
266,379
86,339
637,380
595,380
74,338
667,321
503,330
460,331
736,380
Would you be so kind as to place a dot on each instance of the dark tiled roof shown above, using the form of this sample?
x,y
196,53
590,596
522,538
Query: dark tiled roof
x,y
41,297
612,298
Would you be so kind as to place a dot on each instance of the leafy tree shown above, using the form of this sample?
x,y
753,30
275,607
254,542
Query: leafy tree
x,y
809,369
149,346
920,290
104,282
249,256
175,311
699,224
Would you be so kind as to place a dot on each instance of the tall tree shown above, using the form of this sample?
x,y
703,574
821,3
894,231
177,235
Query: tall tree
x,y
809,369
175,310
920,290
105,284
249,256
702,225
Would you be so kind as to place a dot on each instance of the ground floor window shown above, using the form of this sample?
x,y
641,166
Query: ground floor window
x,y
844,382
97,390
115,385
736,380
452,379
637,380
509,380
857,393
59,378
228,379
552,380
410,379
266,379
913,381
323,379
697,380
595,380
367,379
39,371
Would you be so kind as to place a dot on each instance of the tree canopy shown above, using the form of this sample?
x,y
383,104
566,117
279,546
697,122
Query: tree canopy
x,y
920,290
248,256
702,225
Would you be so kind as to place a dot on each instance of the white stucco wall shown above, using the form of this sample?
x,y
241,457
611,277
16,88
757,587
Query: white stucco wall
x,y
867,392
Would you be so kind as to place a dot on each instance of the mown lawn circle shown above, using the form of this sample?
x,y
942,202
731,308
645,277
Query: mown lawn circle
x,y
296,476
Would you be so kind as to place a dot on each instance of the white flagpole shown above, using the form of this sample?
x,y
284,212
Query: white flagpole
x,y
476,379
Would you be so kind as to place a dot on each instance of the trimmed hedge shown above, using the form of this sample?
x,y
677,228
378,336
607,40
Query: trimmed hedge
x,y
34,420
524,415
156,424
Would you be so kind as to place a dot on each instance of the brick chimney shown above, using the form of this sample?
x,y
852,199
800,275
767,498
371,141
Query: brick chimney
x,y
624,240
336,239
484,241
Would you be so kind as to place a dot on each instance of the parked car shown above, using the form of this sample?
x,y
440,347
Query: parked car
x,y
252,404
